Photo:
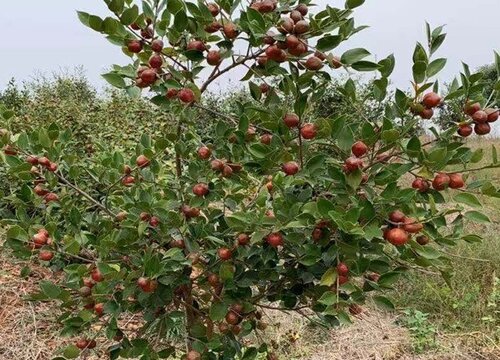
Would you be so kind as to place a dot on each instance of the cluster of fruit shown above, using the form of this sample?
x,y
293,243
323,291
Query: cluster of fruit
x,y
481,120
400,227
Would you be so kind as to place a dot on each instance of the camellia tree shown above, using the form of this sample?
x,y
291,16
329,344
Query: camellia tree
x,y
269,208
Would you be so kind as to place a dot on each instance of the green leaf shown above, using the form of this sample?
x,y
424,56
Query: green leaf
x,y
71,352
351,4
476,216
130,15
387,279
365,66
329,277
468,199
115,80
328,42
383,302
16,232
328,298
435,67
354,55
419,69
50,290
218,311
414,146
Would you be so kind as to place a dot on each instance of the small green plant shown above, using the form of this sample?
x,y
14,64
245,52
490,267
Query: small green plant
x,y
422,331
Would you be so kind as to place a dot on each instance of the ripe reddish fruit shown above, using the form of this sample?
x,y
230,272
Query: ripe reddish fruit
x,y
201,189
291,120
431,100
193,355
396,236
186,96
148,76
224,254
196,45
480,116
147,33
213,27
264,88
264,7
266,139
317,234
51,197
227,171
308,131
217,165
147,285
456,181
423,240
441,181
426,113
292,41
232,318
142,161
154,221
230,30
320,55
342,269
342,279
9,150
464,130
156,61
45,255
40,190
302,8
335,62
301,27
213,279
33,160
213,8
83,344
88,283
42,160
471,108
213,57
134,46
96,275
420,184
286,26
243,239
275,239
204,153
99,309
128,180
352,164
493,114
290,168
482,129
172,93
52,167
296,16
40,239
359,149
313,63
157,45
273,52
269,186
412,225
397,216
299,50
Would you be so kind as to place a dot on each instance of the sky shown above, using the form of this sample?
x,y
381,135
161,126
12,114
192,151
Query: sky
x,y
46,36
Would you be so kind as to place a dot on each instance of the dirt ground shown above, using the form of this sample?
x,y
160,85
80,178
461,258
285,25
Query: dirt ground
x,y
28,331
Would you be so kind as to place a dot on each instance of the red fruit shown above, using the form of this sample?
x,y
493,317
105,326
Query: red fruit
x,y
431,100
456,181
423,240
172,93
273,52
286,26
157,45
302,8
480,116
154,221
397,216
396,236
127,170
230,30
308,131
33,160
299,50
264,88
45,255
40,239
482,129
292,41
301,27
295,15
265,6
201,189
317,234
213,57
373,277
342,279
426,113
50,197
96,275
313,63
320,55
193,212
213,8
52,167
269,186
420,184
359,149
243,239
266,139
40,191
335,62
290,168
470,108
262,60
43,232
352,164
186,96
142,161
88,283
213,280
82,344
217,165
134,46
193,355
155,61
232,318
44,161
147,33
204,153
291,120
464,130
99,309
148,76
441,181
275,239
128,180
342,269
144,216
412,226
224,254
213,27
493,114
